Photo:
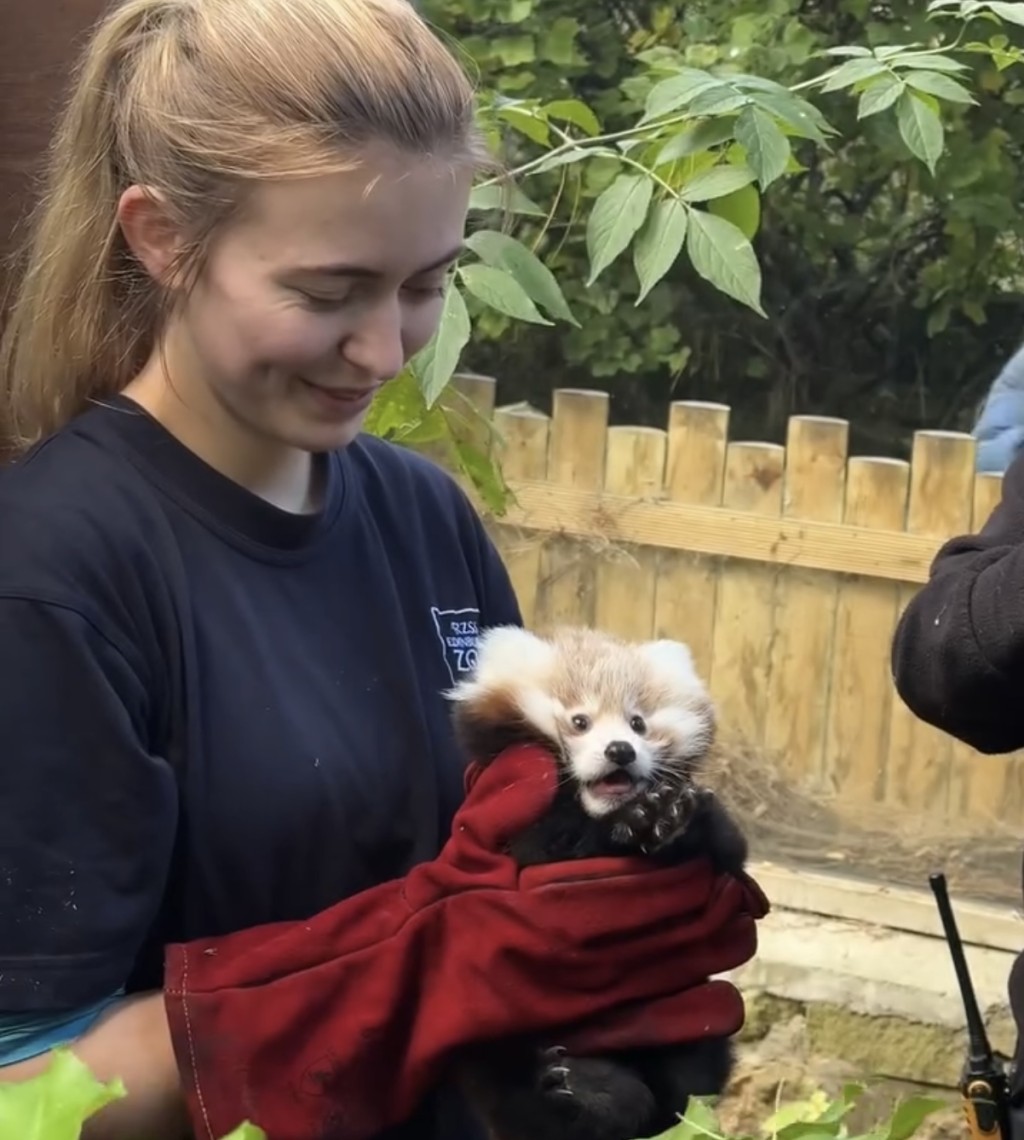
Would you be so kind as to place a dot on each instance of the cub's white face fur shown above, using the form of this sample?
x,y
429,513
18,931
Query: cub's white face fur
x,y
621,714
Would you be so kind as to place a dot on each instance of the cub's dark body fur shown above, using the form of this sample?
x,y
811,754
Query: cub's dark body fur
x,y
530,1090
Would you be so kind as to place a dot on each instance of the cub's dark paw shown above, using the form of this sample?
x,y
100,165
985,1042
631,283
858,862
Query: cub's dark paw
x,y
657,817
594,1099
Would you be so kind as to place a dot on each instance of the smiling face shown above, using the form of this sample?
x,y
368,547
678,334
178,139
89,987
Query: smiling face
x,y
310,301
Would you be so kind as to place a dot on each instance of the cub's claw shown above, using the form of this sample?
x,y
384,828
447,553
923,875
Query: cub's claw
x,y
656,817
554,1076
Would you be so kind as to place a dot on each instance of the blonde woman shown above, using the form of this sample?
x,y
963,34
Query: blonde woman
x,y
227,617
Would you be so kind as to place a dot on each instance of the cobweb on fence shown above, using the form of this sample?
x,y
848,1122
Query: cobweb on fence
x,y
801,828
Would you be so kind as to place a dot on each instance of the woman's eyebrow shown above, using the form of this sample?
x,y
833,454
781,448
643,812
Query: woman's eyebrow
x,y
346,269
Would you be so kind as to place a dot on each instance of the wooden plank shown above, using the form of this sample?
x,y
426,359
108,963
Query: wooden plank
x,y
626,574
861,691
724,532
576,462
745,608
686,588
918,767
801,647
521,448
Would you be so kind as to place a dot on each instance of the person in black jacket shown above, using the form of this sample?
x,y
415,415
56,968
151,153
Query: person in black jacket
x,y
958,660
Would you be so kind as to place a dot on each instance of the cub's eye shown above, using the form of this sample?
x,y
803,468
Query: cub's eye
x,y
638,725
580,722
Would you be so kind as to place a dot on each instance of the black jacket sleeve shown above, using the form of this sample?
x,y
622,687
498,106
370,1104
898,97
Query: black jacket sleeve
x,y
958,650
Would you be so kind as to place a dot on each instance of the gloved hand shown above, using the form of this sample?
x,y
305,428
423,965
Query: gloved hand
x,y
341,1024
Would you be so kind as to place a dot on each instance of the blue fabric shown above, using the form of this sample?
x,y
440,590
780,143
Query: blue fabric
x,y
1000,426
25,1035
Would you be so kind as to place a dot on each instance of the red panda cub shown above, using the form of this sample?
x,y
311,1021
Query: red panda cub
x,y
629,725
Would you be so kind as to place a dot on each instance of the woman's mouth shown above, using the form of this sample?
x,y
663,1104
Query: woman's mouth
x,y
347,401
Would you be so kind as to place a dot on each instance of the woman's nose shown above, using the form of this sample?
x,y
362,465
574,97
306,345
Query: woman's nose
x,y
374,344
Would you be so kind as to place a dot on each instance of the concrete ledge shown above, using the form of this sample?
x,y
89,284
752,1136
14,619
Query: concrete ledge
x,y
898,908
869,969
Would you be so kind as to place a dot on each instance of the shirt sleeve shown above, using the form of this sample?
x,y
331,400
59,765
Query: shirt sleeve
x,y
89,813
27,1035
958,649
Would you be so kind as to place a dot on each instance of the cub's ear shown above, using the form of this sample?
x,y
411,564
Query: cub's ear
x,y
673,662
506,657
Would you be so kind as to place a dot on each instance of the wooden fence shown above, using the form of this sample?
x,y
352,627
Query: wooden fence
x,y
784,568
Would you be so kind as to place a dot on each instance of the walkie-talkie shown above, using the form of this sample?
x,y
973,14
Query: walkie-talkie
x,y
983,1083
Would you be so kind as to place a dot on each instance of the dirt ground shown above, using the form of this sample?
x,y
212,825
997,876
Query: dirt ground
x,y
778,1068
816,830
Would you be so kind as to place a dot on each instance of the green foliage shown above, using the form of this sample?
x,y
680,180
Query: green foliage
x,y
56,1104
661,156
816,1118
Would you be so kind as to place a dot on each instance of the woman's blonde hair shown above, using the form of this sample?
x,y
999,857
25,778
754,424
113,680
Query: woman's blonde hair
x,y
196,99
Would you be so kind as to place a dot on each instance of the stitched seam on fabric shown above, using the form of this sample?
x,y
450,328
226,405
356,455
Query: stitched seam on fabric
x,y
192,1049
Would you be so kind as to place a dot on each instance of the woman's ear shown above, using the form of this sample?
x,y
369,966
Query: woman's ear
x,y
149,232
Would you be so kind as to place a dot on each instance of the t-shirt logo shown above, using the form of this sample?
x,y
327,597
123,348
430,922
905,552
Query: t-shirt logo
x,y
458,631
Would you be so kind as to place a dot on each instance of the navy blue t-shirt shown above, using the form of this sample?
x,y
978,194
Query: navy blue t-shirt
x,y
215,713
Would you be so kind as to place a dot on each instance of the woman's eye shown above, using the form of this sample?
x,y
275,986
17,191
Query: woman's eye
x,y
315,301
427,291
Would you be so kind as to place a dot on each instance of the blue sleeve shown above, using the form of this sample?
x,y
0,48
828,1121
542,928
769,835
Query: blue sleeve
x,y
89,814
999,429
26,1035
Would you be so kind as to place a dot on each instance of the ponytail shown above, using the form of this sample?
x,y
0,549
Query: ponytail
x,y
80,320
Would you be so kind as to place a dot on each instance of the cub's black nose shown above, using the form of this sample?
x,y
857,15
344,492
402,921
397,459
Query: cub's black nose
x,y
620,752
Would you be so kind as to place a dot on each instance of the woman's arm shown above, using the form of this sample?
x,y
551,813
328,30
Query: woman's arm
x,y
130,1040
89,823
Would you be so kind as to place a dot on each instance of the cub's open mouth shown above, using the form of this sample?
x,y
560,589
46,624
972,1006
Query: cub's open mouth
x,y
616,784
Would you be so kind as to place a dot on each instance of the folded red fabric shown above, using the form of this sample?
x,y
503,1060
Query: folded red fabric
x,y
339,1025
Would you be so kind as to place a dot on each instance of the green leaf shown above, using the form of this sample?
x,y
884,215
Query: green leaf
x,y
55,1104
614,218
941,86
675,92
246,1131
742,208
1006,11
485,475
527,122
440,357
881,95
659,243
558,45
920,128
499,290
505,252
694,139
803,118
504,197
716,182
930,62
722,256
573,154
910,1115
574,111
851,72
767,147
719,101
698,1121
